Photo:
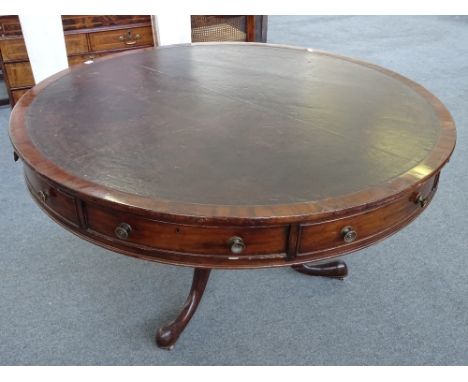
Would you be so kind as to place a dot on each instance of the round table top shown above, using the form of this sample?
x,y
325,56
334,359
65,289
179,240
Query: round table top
x,y
242,130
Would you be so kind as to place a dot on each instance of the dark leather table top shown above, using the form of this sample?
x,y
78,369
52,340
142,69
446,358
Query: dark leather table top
x,y
239,125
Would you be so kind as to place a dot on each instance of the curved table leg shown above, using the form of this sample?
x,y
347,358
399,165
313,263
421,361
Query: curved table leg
x,y
334,269
167,335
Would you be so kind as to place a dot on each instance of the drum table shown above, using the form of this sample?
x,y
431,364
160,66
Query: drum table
x,y
231,155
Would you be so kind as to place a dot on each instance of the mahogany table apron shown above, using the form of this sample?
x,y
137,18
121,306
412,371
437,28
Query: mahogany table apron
x,y
231,155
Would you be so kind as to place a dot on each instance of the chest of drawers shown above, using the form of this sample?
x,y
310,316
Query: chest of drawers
x,y
86,38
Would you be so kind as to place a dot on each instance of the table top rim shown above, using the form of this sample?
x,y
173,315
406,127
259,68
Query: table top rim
x,y
436,159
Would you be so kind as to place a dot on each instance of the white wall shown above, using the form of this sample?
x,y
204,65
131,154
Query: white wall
x,y
173,29
45,43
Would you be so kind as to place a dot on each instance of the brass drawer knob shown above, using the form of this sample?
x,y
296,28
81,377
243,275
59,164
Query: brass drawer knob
x,y
349,234
421,200
236,244
42,195
123,230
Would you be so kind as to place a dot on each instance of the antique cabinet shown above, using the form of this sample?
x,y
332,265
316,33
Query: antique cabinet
x,y
86,37
229,28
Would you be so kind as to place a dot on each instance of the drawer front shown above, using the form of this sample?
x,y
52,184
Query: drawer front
x,y
13,49
17,94
53,199
19,74
10,25
76,43
75,22
121,39
184,238
332,234
83,58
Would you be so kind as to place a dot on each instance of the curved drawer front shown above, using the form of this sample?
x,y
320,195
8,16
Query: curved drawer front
x,y
52,198
226,246
203,240
360,229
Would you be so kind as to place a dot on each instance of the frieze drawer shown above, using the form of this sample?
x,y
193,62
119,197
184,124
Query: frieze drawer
x,y
53,199
134,230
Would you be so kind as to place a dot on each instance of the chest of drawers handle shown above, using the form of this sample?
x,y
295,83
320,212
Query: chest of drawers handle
x,y
129,39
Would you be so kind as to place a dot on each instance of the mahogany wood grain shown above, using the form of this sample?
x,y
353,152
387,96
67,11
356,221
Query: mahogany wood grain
x,y
167,335
324,235
193,239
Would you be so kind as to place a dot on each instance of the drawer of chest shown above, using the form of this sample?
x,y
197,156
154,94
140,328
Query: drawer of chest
x,y
228,241
17,94
76,43
53,199
121,39
19,74
358,229
13,49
